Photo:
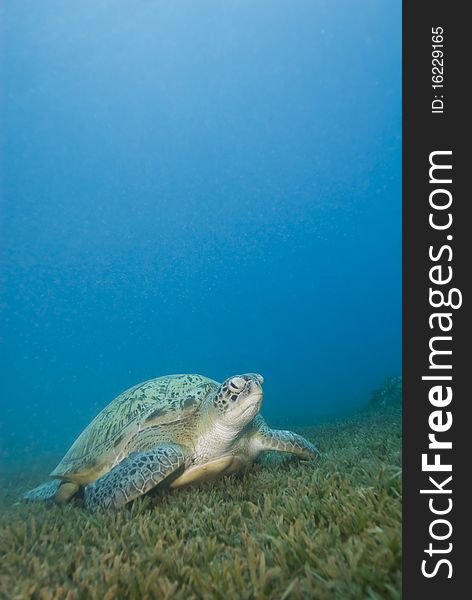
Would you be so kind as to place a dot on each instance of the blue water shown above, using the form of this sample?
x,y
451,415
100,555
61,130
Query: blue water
x,y
210,187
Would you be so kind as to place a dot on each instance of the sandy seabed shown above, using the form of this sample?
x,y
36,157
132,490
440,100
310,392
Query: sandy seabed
x,y
330,529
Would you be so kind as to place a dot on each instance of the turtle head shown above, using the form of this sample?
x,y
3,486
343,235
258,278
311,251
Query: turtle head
x,y
239,399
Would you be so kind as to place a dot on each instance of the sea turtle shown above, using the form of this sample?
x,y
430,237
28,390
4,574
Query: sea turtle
x,y
177,430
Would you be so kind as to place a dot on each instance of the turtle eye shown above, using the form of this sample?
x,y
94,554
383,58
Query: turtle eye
x,y
236,384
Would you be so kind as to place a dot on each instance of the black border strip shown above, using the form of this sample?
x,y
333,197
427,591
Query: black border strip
x,y
425,132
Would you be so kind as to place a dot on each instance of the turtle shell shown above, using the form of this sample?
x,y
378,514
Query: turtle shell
x,y
144,414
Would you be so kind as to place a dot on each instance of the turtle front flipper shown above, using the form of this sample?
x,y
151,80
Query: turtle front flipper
x,y
284,441
134,476
54,490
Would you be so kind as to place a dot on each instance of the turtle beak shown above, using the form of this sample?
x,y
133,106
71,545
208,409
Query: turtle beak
x,y
255,392
254,404
255,385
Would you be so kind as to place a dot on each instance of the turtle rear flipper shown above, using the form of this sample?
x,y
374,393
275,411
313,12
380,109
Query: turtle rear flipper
x,y
134,476
54,490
